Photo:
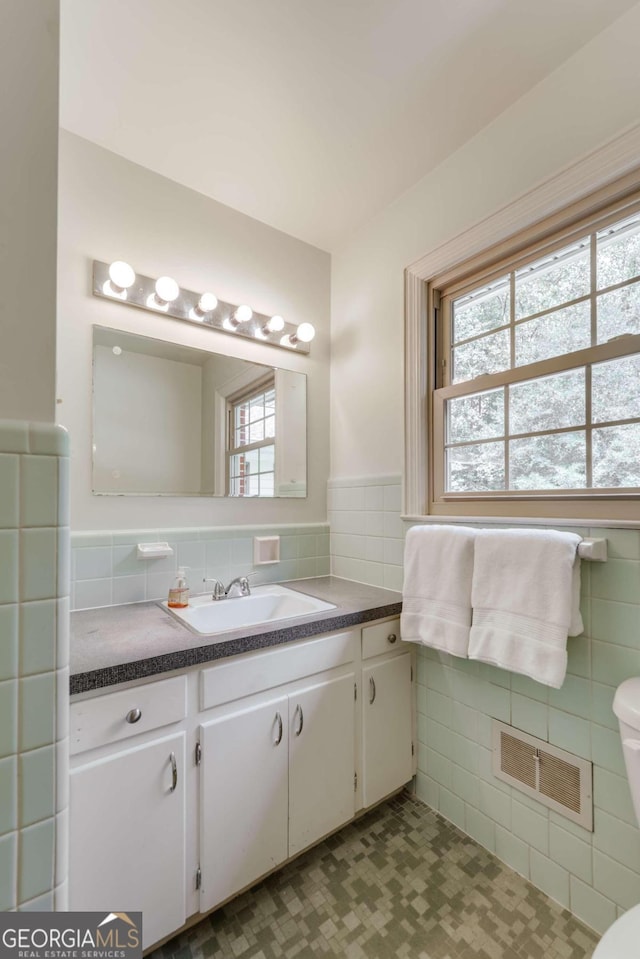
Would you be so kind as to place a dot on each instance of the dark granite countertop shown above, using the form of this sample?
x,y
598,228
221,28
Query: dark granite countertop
x,y
118,644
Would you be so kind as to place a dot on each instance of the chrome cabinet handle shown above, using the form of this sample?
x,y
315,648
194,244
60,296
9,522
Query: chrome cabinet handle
x,y
174,772
278,739
134,715
299,710
391,638
372,690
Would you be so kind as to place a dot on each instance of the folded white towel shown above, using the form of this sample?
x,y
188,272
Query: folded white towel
x,y
436,596
525,597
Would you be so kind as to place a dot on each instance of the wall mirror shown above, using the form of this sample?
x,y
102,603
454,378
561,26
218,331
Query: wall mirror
x,y
170,420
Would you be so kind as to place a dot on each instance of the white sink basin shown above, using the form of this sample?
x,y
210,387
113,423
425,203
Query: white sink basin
x,y
266,605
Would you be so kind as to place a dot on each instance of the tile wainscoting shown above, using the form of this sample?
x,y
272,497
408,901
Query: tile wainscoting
x,y
34,660
594,874
106,571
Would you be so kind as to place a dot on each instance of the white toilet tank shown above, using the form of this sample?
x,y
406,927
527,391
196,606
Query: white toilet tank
x,y
626,706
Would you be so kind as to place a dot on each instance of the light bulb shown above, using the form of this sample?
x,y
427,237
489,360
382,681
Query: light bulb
x,y
243,314
207,303
117,350
305,333
274,325
167,290
121,275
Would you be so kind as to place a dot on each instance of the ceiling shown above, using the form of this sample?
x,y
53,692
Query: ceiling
x,y
309,116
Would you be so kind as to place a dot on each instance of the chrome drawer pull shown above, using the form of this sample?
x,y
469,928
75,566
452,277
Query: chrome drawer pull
x,y
134,715
278,739
372,690
299,710
391,638
174,772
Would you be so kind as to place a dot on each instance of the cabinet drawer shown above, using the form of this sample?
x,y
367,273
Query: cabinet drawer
x,y
110,718
381,638
262,671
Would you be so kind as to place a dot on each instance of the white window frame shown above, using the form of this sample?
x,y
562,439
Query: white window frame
x,y
596,181
264,385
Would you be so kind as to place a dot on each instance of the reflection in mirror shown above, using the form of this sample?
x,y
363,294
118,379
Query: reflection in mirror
x,y
175,421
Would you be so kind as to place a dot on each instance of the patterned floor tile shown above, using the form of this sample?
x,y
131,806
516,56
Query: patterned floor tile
x,y
400,883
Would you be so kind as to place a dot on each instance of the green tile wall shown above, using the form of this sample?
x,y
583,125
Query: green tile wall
x,y
595,874
34,658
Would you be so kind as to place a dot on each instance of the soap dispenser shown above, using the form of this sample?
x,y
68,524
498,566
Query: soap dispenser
x,y
179,592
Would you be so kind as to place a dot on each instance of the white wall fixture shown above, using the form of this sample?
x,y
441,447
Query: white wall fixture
x,y
119,281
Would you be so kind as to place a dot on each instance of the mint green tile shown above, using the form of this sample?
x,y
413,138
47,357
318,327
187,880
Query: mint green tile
x,y
495,701
191,553
85,540
436,766
480,828
126,563
590,906
570,733
8,871
568,826
9,566
451,807
527,687
617,579
513,851
621,543
38,564
573,697
9,642
64,497
322,544
571,853
37,711
602,705
611,794
464,720
579,656
529,716
36,860
305,568
437,676
613,664
530,826
43,903
464,752
466,689
439,707
307,545
616,839
38,491
36,792
615,881
48,439
606,750
492,674
421,699
323,568
8,717
550,877
485,771
63,558
465,785
218,552
92,593
129,537
427,790
615,622
14,436
9,491
8,795
494,803
37,636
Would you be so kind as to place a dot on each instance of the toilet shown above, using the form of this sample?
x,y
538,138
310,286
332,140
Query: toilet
x,y
621,940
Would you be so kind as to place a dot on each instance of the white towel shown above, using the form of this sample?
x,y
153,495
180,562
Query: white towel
x,y
525,597
436,596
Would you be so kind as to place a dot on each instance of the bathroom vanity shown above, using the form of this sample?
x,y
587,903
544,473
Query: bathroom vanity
x,y
202,768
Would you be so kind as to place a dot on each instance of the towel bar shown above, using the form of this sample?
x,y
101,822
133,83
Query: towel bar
x,y
593,549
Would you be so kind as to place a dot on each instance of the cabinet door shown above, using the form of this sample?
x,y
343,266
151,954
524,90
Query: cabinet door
x,y
127,835
321,760
386,727
243,798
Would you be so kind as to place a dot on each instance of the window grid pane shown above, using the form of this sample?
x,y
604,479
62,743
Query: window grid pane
x,y
251,468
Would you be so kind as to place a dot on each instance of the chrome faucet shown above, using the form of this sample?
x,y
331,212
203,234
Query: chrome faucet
x,y
218,588
238,587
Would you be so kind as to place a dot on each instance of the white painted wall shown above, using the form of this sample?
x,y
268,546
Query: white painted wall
x,y
28,172
111,209
586,102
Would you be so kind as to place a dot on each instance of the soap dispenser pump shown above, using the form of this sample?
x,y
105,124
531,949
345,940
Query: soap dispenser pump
x,y
179,592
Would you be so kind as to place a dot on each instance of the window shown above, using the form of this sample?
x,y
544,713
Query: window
x,y
537,373
251,441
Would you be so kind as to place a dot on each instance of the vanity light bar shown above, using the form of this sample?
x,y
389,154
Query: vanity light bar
x,y
118,282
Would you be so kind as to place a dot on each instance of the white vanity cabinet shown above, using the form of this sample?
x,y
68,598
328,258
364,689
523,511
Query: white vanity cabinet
x,y
127,802
387,712
188,789
277,769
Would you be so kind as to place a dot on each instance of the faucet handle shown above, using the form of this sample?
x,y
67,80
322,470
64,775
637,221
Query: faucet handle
x,y
218,588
